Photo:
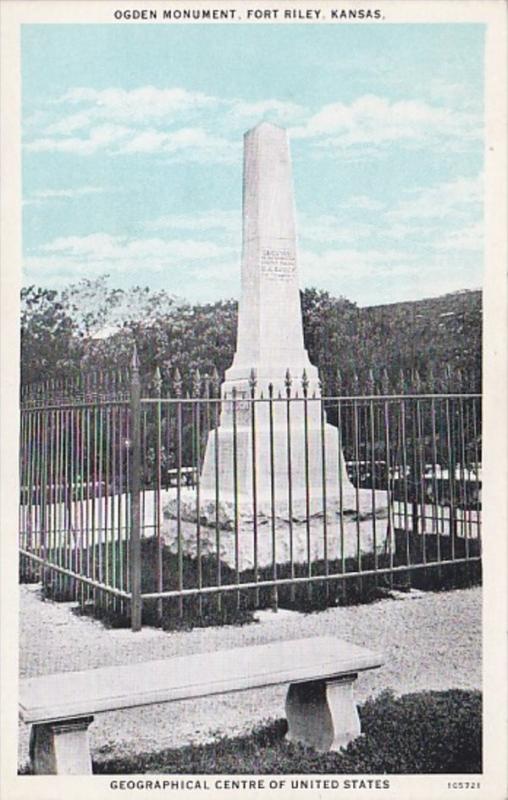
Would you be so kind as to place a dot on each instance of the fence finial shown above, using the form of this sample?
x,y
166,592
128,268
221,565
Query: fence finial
x,y
252,381
338,381
417,382
288,382
215,380
385,381
305,383
447,378
431,382
370,382
107,384
356,384
135,359
206,387
157,381
402,381
177,383
196,383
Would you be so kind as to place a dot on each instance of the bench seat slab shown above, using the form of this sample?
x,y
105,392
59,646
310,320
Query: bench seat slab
x,y
49,698
320,708
322,714
61,748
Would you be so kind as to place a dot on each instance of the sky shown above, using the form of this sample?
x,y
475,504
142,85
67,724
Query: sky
x,y
132,153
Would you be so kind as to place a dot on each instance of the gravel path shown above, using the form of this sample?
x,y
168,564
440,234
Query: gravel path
x,y
431,641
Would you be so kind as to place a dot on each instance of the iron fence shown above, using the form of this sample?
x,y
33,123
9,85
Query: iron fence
x,y
135,493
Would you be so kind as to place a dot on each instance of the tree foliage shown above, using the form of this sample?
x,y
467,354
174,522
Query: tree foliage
x,y
51,344
429,336
94,327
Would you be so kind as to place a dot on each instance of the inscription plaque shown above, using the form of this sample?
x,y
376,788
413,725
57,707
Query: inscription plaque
x,y
278,264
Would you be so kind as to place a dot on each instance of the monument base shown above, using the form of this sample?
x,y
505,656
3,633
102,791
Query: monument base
x,y
295,540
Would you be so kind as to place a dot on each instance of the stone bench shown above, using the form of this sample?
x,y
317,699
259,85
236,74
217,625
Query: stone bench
x,y
320,708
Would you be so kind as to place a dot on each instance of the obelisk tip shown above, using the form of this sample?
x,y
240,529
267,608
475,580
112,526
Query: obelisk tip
x,y
265,126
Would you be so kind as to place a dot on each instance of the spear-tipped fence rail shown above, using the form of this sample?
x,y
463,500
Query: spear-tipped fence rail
x,y
102,456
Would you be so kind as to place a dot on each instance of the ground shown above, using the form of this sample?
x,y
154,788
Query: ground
x,y
430,641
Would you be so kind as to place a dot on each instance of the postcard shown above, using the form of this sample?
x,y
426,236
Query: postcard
x,y
254,396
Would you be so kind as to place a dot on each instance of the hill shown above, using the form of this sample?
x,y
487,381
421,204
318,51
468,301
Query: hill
x,y
432,336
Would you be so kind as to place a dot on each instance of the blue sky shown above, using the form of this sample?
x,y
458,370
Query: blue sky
x,y
132,160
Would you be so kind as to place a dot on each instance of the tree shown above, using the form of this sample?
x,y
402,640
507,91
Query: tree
x,y
330,326
92,326
51,346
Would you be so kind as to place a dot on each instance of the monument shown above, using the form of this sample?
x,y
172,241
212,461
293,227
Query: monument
x,y
274,458
270,351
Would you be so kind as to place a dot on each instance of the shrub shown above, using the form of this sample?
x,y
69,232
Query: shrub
x,y
424,733
238,607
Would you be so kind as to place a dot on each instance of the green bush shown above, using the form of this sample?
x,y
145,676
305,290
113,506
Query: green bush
x,y
425,733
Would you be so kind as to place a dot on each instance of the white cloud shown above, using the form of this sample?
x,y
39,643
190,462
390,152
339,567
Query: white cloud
x,y
150,103
118,250
336,265
145,142
185,144
397,231
188,144
99,138
442,90
328,228
361,203
49,194
68,124
142,120
178,122
277,110
423,216
372,120
461,198
379,275
361,248
176,264
227,221
469,238
136,105
193,144
432,232
192,271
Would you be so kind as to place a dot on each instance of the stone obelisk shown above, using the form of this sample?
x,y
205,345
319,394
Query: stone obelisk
x,y
270,346
270,331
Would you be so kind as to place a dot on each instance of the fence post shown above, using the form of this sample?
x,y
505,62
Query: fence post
x,y
135,498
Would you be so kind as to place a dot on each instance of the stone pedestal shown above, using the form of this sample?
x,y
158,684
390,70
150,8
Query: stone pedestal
x,y
323,714
61,748
290,439
295,540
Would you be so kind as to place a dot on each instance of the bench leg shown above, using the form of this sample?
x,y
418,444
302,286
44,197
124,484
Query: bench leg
x,y
322,714
61,748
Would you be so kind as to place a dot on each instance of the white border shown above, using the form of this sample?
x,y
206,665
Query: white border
x,y
495,495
